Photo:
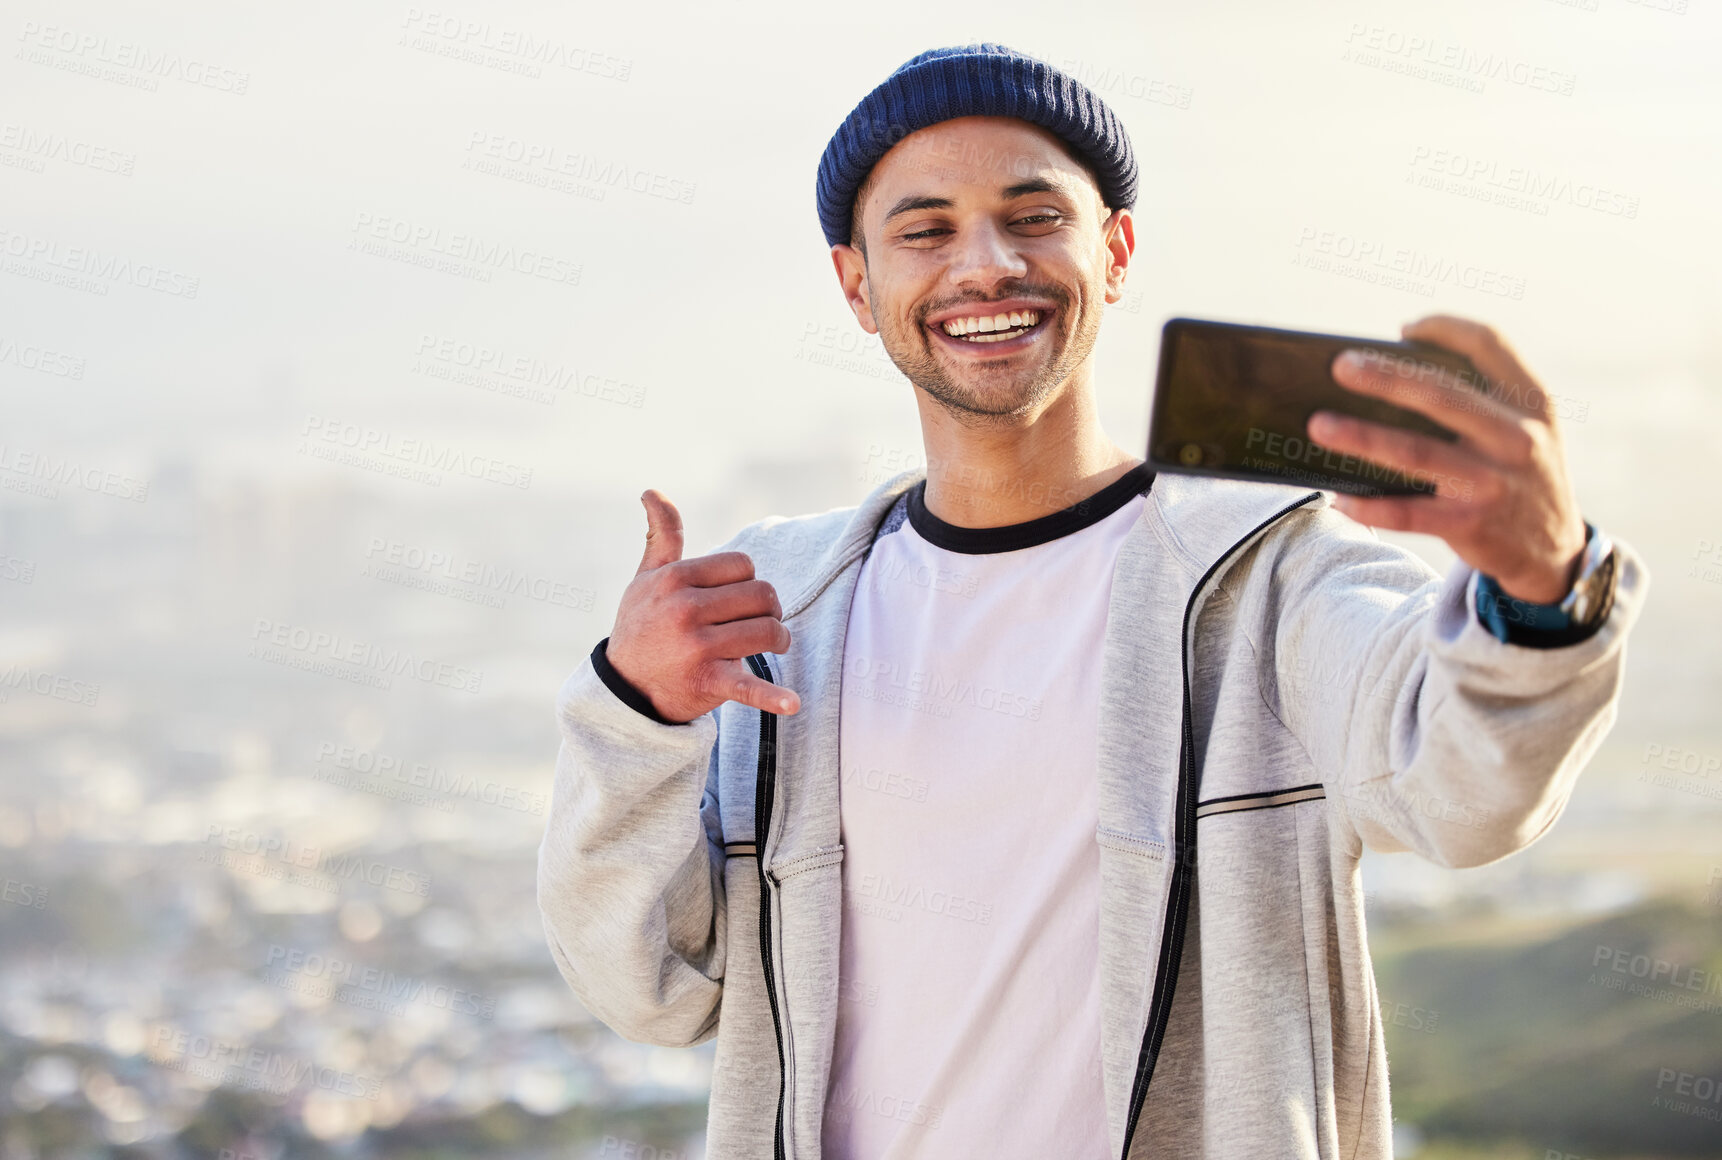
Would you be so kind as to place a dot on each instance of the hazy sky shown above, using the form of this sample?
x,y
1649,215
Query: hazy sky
x,y
261,148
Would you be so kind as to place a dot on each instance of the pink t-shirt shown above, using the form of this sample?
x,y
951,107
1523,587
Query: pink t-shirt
x,y
969,1014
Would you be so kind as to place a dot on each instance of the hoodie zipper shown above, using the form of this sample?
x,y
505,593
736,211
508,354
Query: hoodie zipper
x,y
765,794
1184,856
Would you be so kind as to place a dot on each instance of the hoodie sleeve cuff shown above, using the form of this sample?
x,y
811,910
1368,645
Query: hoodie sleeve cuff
x,y
619,685
1521,622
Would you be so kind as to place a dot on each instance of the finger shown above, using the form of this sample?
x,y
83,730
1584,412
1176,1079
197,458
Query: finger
x,y
1407,383
716,569
735,639
734,682
1422,458
1513,385
736,602
663,531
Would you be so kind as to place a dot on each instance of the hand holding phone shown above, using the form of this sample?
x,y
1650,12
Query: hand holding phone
x,y
1235,401
1478,453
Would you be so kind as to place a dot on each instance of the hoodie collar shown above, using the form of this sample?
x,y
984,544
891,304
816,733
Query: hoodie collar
x,y
1199,519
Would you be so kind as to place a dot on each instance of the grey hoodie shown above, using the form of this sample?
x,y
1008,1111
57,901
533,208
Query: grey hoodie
x,y
1279,690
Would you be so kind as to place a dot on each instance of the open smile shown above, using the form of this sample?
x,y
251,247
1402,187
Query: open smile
x,y
1001,332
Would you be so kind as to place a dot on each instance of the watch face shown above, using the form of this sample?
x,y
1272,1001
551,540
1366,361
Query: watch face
x,y
1596,596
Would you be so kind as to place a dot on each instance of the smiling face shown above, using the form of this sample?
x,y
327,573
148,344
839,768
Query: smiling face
x,y
986,259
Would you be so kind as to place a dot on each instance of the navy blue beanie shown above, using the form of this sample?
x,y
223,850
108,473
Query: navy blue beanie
x,y
974,80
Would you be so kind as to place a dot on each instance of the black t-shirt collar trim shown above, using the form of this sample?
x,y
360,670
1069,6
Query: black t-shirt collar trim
x,y
1014,537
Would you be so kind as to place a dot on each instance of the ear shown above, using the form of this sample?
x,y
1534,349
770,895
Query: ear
x,y
852,276
1118,233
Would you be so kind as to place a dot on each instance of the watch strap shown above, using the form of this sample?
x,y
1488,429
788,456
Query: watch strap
x,y
1533,625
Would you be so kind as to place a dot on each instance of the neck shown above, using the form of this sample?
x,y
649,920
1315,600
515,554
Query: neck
x,y
988,471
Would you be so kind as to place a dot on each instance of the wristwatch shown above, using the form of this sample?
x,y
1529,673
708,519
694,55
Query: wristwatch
x,y
1575,617
1592,593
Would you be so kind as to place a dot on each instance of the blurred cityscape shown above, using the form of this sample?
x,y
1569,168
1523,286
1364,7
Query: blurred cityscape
x,y
270,886
270,898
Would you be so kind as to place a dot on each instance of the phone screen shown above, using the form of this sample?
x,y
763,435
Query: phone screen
x,y
1235,401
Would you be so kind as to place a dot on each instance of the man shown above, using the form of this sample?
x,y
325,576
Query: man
x,y
1016,811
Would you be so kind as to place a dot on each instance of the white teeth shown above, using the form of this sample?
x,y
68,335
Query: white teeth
x,y
987,329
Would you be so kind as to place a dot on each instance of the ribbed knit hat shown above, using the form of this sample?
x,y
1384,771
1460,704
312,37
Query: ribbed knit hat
x,y
972,80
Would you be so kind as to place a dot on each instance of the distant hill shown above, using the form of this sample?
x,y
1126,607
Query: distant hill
x,y
1601,1041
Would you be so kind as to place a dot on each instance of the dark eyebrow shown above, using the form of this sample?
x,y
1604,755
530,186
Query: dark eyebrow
x,y
911,204
1032,185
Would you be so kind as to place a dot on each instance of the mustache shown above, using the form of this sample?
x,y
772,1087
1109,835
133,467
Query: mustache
x,y
1054,294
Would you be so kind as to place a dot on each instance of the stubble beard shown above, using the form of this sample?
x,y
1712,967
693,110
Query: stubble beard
x,y
1001,394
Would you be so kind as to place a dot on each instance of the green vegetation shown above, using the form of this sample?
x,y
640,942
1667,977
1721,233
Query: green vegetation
x,y
1602,1040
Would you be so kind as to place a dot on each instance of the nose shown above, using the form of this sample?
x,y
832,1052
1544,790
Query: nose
x,y
982,256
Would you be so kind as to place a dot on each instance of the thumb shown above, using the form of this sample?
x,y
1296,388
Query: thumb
x,y
663,531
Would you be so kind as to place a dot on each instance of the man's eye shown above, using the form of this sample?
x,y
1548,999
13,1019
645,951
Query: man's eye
x,y
1034,219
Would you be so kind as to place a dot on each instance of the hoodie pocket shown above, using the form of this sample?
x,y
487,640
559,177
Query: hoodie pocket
x,y
1126,844
785,868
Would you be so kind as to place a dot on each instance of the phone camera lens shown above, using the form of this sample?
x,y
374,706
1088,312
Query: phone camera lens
x,y
1190,455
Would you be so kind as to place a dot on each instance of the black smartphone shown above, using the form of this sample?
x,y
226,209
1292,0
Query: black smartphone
x,y
1234,401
